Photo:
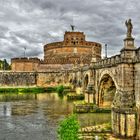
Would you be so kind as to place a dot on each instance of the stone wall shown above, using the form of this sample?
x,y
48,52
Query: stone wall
x,y
50,78
31,79
42,79
17,79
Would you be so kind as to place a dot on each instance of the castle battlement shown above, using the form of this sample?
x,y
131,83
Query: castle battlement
x,y
25,59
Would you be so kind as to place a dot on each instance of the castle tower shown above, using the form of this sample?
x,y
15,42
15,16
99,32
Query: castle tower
x,y
73,49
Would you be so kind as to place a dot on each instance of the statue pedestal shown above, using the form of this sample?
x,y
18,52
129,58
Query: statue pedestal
x,y
128,51
129,43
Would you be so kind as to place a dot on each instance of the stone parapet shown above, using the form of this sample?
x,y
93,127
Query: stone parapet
x,y
117,59
25,59
108,62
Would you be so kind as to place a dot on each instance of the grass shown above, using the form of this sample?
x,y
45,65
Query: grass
x,y
75,97
23,90
26,93
58,89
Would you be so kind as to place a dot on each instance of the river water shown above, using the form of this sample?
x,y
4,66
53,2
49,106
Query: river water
x,y
37,116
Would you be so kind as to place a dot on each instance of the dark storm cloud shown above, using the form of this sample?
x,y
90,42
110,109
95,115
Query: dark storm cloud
x,y
32,23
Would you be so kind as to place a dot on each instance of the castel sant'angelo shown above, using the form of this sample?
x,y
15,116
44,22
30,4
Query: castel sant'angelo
x,y
74,49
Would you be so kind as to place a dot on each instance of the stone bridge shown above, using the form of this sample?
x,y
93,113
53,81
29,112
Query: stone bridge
x,y
115,82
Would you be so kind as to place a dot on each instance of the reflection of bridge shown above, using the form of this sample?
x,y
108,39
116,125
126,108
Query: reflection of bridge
x,y
115,82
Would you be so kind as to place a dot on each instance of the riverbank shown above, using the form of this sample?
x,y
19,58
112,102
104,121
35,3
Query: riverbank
x,y
83,107
30,89
23,89
97,131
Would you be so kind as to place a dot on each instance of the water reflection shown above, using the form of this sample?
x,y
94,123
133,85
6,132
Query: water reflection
x,y
37,117
7,97
91,119
5,109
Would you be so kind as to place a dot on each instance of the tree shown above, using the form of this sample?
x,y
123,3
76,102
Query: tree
x,y
1,64
60,89
68,128
4,65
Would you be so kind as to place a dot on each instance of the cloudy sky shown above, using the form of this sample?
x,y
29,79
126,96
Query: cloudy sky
x,y
32,23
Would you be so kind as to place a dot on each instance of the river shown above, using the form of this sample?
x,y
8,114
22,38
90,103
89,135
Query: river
x,y
37,117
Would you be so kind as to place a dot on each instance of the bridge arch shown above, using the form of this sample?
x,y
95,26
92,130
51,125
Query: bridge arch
x,y
111,74
106,89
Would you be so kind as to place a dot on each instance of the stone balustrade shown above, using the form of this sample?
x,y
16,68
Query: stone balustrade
x,y
85,67
117,59
108,62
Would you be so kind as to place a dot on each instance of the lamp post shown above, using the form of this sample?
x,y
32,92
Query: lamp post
x,y
105,50
24,51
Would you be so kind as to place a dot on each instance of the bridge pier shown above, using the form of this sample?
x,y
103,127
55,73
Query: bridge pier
x,y
124,117
88,97
138,123
123,122
90,93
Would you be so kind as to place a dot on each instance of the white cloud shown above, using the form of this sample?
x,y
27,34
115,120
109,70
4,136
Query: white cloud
x,y
32,23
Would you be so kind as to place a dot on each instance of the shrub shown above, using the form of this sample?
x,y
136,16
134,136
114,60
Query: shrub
x,y
60,89
68,128
50,89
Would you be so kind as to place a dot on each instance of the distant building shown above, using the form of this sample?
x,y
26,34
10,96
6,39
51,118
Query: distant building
x,y
74,49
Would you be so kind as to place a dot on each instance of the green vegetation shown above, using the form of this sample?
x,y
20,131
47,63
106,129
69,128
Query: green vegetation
x,y
8,90
101,110
50,89
82,102
4,65
108,127
68,128
32,90
60,89
23,90
75,97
